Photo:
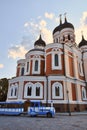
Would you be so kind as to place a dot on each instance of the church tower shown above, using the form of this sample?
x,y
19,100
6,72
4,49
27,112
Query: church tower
x,y
83,47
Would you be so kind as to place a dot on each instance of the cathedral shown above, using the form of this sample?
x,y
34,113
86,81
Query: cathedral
x,y
54,72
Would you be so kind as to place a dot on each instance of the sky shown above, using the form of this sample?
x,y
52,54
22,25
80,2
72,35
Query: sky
x,y
22,21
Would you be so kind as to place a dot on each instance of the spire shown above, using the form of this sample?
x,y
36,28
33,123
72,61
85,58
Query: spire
x,y
60,19
40,35
65,17
82,35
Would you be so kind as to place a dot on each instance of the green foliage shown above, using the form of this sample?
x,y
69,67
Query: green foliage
x,y
3,89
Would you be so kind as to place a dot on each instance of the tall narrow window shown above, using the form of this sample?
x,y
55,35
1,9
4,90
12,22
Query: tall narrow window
x,y
57,91
15,92
83,94
22,71
79,68
56,60
57,40
12,92
27,66
68,37
37,91
29,89
63,38
36,65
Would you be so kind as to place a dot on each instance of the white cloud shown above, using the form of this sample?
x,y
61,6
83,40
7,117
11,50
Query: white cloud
x,y
82,27
47,35
34,30
43,23
84,19
49,15
17,52
26,24
1,66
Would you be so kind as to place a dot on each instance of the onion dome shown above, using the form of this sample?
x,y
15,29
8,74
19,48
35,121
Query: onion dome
x,y
62,26
67,25
58,28
83,42
40,42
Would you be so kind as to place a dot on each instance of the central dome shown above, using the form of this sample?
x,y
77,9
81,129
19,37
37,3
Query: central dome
x,y
62,26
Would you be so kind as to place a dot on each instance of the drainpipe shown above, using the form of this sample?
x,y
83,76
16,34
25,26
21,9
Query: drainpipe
x,y
46,91
68,105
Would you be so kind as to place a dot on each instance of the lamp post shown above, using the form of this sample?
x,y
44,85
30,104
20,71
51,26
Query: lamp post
x,y
68,103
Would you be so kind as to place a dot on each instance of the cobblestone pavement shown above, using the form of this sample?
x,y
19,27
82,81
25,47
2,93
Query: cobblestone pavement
x,y
42,123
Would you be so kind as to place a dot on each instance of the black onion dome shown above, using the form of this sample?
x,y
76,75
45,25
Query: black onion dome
x,y
62,26
40,42
67,25
83,42
58,28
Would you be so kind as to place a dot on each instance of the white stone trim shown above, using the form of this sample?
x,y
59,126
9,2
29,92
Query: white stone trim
x,y
27,72
57,84
33,69
52,45
34,53
12,88
59,67
33,92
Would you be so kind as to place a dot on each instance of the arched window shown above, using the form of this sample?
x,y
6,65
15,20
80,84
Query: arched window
x,y
84,96
29,89
56,60
36,65
57,40
27,66
57,91
22,71
37,91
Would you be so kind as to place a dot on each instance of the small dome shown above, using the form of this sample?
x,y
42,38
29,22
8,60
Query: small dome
x,y
83,42
62,26
40,42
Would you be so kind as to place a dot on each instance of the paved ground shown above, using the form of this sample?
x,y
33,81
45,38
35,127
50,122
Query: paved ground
x,y
60,122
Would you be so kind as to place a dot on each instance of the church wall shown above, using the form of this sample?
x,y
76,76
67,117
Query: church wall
x,y
49,69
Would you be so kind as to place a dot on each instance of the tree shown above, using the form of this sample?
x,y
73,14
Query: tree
x,y
3,89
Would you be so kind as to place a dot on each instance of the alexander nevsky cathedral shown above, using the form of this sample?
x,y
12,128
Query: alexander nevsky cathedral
x,y
54,72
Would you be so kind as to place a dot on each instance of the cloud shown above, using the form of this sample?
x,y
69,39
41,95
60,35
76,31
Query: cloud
x,y
49,15
1,66
34,28
47,35
84,19
43,23
26,24
17,51
81,28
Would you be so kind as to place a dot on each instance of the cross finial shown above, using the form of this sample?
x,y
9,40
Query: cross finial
x,y
82,34
65,16
40,33
60,18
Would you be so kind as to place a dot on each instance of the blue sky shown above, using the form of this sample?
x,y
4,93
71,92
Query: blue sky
x,y
22,20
